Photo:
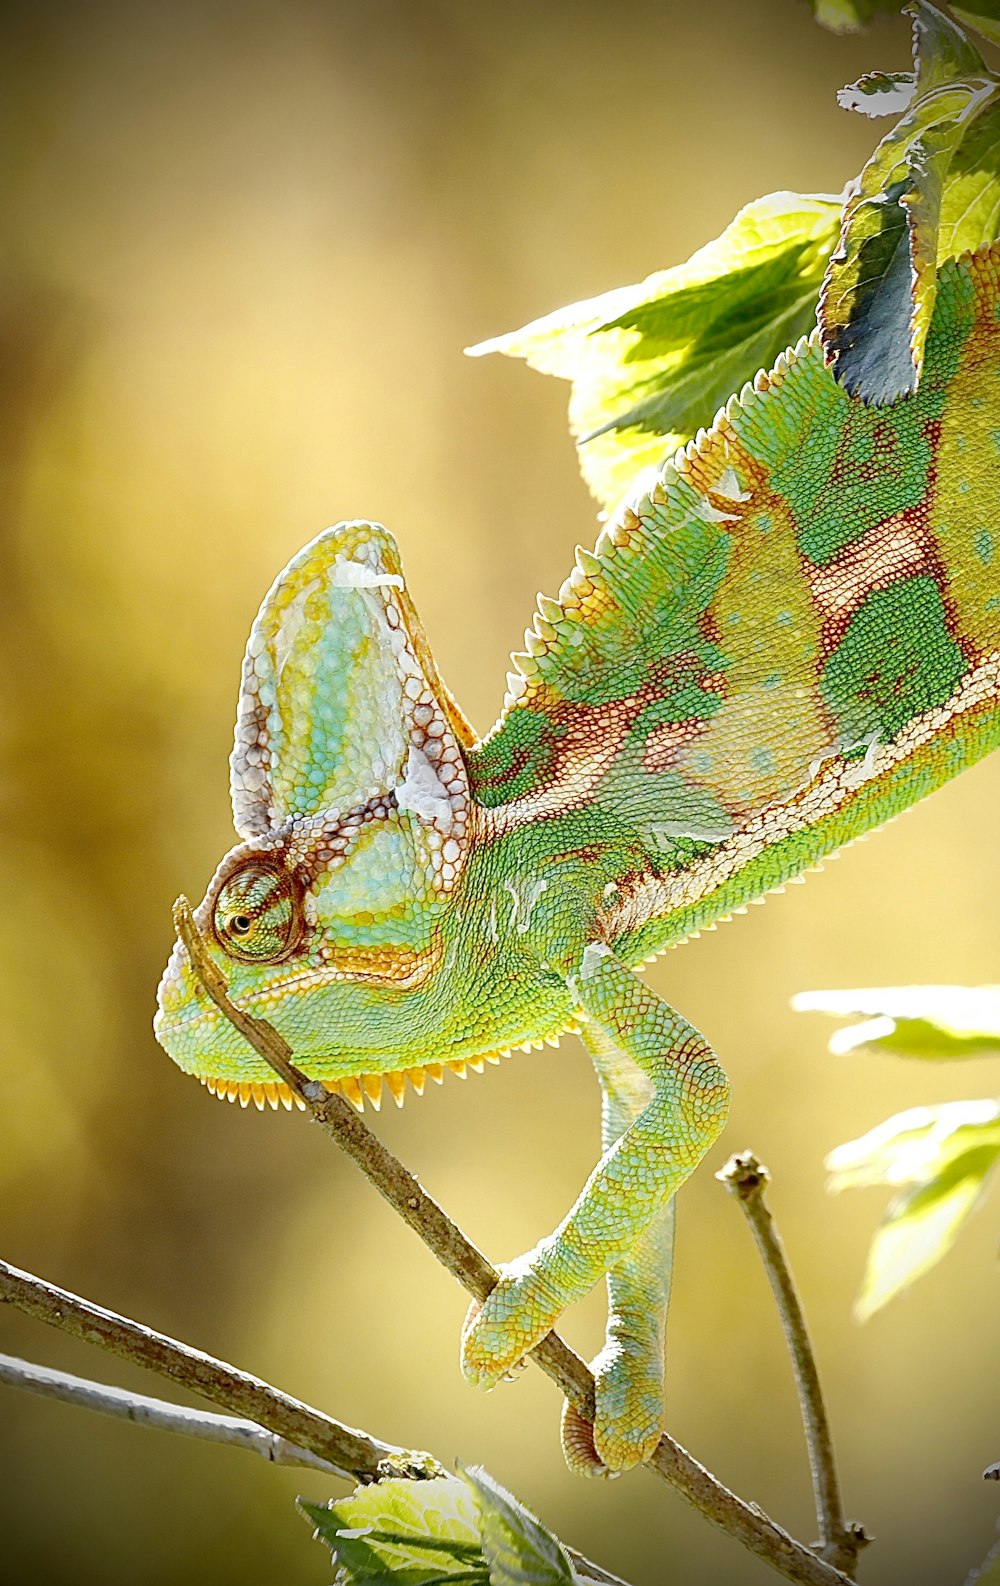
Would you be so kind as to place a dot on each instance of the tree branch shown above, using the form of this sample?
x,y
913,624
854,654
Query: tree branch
x,y
144,1411
350,1453
840,1540
743,1521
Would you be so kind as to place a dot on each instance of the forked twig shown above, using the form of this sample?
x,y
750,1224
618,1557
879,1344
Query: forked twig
x,y
353,1454
743,1521
840,1540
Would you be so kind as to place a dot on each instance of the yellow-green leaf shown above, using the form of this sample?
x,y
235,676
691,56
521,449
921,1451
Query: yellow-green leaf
x,y
917,1231
932,1022
940,1157
416,1533
651,363
983,15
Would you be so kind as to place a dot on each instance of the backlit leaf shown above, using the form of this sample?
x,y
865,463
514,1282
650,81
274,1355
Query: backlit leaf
x,y
652,363
941,1157
416,1533
935,1022
518,1549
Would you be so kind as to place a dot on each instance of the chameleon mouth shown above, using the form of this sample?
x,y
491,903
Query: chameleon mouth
x,y
360,1089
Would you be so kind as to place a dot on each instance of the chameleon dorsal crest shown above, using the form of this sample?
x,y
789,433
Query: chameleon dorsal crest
x,y
343,722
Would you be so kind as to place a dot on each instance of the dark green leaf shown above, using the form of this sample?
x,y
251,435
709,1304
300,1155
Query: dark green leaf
x,y
942,1157
518,1549
936,1022
652,363
879,93
417,1533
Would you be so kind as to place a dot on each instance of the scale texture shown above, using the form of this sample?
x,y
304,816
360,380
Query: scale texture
x,y
794,635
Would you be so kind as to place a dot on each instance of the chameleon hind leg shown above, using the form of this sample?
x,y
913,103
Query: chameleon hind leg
x,y
627,1191
628,1372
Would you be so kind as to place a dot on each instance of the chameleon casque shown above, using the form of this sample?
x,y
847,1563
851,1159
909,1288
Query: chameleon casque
x,y
790,637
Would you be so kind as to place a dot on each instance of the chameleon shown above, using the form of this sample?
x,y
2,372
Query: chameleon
x,y
789,637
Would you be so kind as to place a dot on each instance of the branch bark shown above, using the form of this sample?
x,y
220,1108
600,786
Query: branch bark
x,y
743,1521
350,1453
145,1411
840,1540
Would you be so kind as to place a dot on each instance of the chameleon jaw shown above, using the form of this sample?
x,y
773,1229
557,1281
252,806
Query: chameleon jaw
x,y
361,1088
355,1088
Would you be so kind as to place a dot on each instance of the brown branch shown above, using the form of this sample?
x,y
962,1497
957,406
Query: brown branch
x,y
142,1410
743,1521
840,1540
354,1454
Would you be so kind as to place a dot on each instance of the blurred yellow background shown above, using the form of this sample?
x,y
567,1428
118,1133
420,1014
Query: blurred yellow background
x,y
245,244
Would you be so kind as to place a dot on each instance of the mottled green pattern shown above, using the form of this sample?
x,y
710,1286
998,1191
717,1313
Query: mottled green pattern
x,y
792,636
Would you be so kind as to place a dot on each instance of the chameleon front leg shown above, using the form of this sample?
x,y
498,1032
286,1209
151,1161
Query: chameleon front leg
x,y
628,1372
636,1177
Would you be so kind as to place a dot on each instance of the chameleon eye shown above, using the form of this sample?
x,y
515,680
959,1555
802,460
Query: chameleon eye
x,y
258,914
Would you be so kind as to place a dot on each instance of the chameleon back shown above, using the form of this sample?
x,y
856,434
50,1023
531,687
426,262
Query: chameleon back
x,y
794,635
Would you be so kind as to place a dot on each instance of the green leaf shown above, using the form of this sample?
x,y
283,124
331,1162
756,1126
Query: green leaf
x,y
933,1022
518,1549
915,1146
443,1532
879,93
983,15
417,1533
941,52
918,1229
651,363
970,206
942,1157
878,294
850,16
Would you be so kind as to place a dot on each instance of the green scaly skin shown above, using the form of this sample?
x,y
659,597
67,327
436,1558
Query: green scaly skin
x,y
792,637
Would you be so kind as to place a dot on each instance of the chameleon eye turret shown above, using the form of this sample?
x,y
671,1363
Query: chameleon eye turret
x,y
258,915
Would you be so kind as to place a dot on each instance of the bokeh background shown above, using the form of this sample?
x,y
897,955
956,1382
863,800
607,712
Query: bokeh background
x,y
245,242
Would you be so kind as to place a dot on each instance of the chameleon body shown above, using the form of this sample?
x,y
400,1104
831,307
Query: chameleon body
x,y
793,635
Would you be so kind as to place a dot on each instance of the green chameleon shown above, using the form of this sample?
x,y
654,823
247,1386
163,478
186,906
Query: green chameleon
x,y
791,637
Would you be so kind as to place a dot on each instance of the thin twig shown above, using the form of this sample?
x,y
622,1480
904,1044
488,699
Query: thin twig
x,y
840,1540
351,1453
741,1520
144,1411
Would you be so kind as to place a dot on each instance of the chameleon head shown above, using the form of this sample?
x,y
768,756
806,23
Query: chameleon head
x,y
351,795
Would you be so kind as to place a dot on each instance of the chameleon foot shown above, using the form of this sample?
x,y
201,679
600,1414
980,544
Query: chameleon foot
x,y
627,1420
515,1317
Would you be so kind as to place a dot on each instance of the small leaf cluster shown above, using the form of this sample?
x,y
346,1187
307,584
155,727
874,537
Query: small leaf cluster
x,y
650,364
939,1159
454,1529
